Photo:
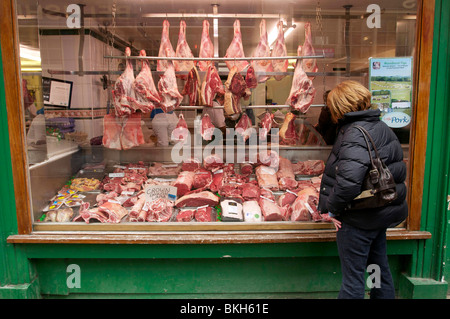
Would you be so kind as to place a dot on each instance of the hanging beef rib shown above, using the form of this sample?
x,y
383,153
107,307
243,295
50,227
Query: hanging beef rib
x,y
192,88
168,89
123,95
266,124
288,132
147,97
236,50
211,86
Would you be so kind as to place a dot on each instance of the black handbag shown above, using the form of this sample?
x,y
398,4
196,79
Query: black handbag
x,y
378,188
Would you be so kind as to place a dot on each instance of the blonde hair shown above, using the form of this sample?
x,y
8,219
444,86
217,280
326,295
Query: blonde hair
x,y
348,96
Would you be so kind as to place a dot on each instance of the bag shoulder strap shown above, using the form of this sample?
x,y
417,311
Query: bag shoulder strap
x,y
368,138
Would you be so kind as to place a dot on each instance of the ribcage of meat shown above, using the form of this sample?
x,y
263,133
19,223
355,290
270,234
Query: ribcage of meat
x,y
132,132
112,130
168,89
288,132
236,50
285,174
279,49
302,89
207,128
206,47
160,210
244,127
192,88
147,96
165,48
183,51
309,65
262,50
235,89
123,94
266,124
211,86
181,131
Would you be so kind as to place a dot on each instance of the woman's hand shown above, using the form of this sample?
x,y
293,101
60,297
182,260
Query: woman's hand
x,y
337,224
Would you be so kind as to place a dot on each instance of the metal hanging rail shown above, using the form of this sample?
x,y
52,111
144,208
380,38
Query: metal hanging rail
x,y
215,59
212,15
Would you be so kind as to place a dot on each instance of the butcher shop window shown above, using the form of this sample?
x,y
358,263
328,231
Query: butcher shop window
x,y
180,116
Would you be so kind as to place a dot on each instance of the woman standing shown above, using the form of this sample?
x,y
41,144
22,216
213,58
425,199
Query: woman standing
x,y
361,234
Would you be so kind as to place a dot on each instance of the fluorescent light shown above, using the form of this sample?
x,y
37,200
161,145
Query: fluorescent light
x,y
30,53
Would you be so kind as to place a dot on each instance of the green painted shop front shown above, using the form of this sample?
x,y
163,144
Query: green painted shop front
x,y
226,269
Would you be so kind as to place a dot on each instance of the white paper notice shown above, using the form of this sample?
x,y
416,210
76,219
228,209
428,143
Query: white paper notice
x,y
59,93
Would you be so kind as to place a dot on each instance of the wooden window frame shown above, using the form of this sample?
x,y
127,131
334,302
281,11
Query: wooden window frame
x,y
17,139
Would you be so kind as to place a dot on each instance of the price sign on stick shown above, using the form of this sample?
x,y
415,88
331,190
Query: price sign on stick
x,y
153,192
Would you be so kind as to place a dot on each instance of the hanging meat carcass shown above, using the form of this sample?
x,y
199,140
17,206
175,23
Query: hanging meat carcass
x,y
181,131
279,49
250,78
302,89
123,94
235,89
207,128
168,89
112,130
183,51
192,88
262,50
165,48
288,132
244,127
309,65
206,48
266,124
211,86
236,50
147,96
132,132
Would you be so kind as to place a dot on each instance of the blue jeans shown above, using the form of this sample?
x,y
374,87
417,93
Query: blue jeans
x,y
359,248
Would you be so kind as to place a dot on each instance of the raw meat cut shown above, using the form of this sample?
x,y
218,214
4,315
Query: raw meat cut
x,y
270,210
235,50
203,214
250,191
112,130
211,86
250,78
213,162
160,210
231,190
246,169
203,178
287,198
185,215
192,88
302,91
136,209
191,164
207,127
305,206
132,132
165,48
288,132
252,211
244,127
163,169
266,124
147,97
267,177
309,167
285,174
197,199
235,89
279,50
206,47
183,51
168,89
262,50
309,65
181,131
269,158
123,94
184,183
106,213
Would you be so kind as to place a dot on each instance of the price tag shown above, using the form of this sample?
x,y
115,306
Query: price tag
x,y
153,192
116,175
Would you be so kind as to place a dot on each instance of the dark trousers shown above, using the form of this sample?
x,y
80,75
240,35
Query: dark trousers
x,y
359,248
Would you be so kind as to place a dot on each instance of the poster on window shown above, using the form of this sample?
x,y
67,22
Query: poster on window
x,y
391,87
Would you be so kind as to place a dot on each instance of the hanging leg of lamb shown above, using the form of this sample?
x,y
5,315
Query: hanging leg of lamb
x,y
192,88
183,51
132,132
112,130
288,132
168,89
236,50
206,48
302,89
181,132
211,86
123,94
279,49
309,65
165,49
262,50
244,127
207,128
266,124
147,96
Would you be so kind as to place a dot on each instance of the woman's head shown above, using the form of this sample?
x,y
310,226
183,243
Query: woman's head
x,y
348,96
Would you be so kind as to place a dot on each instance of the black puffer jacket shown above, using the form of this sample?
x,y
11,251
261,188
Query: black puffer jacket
x,y
348,164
